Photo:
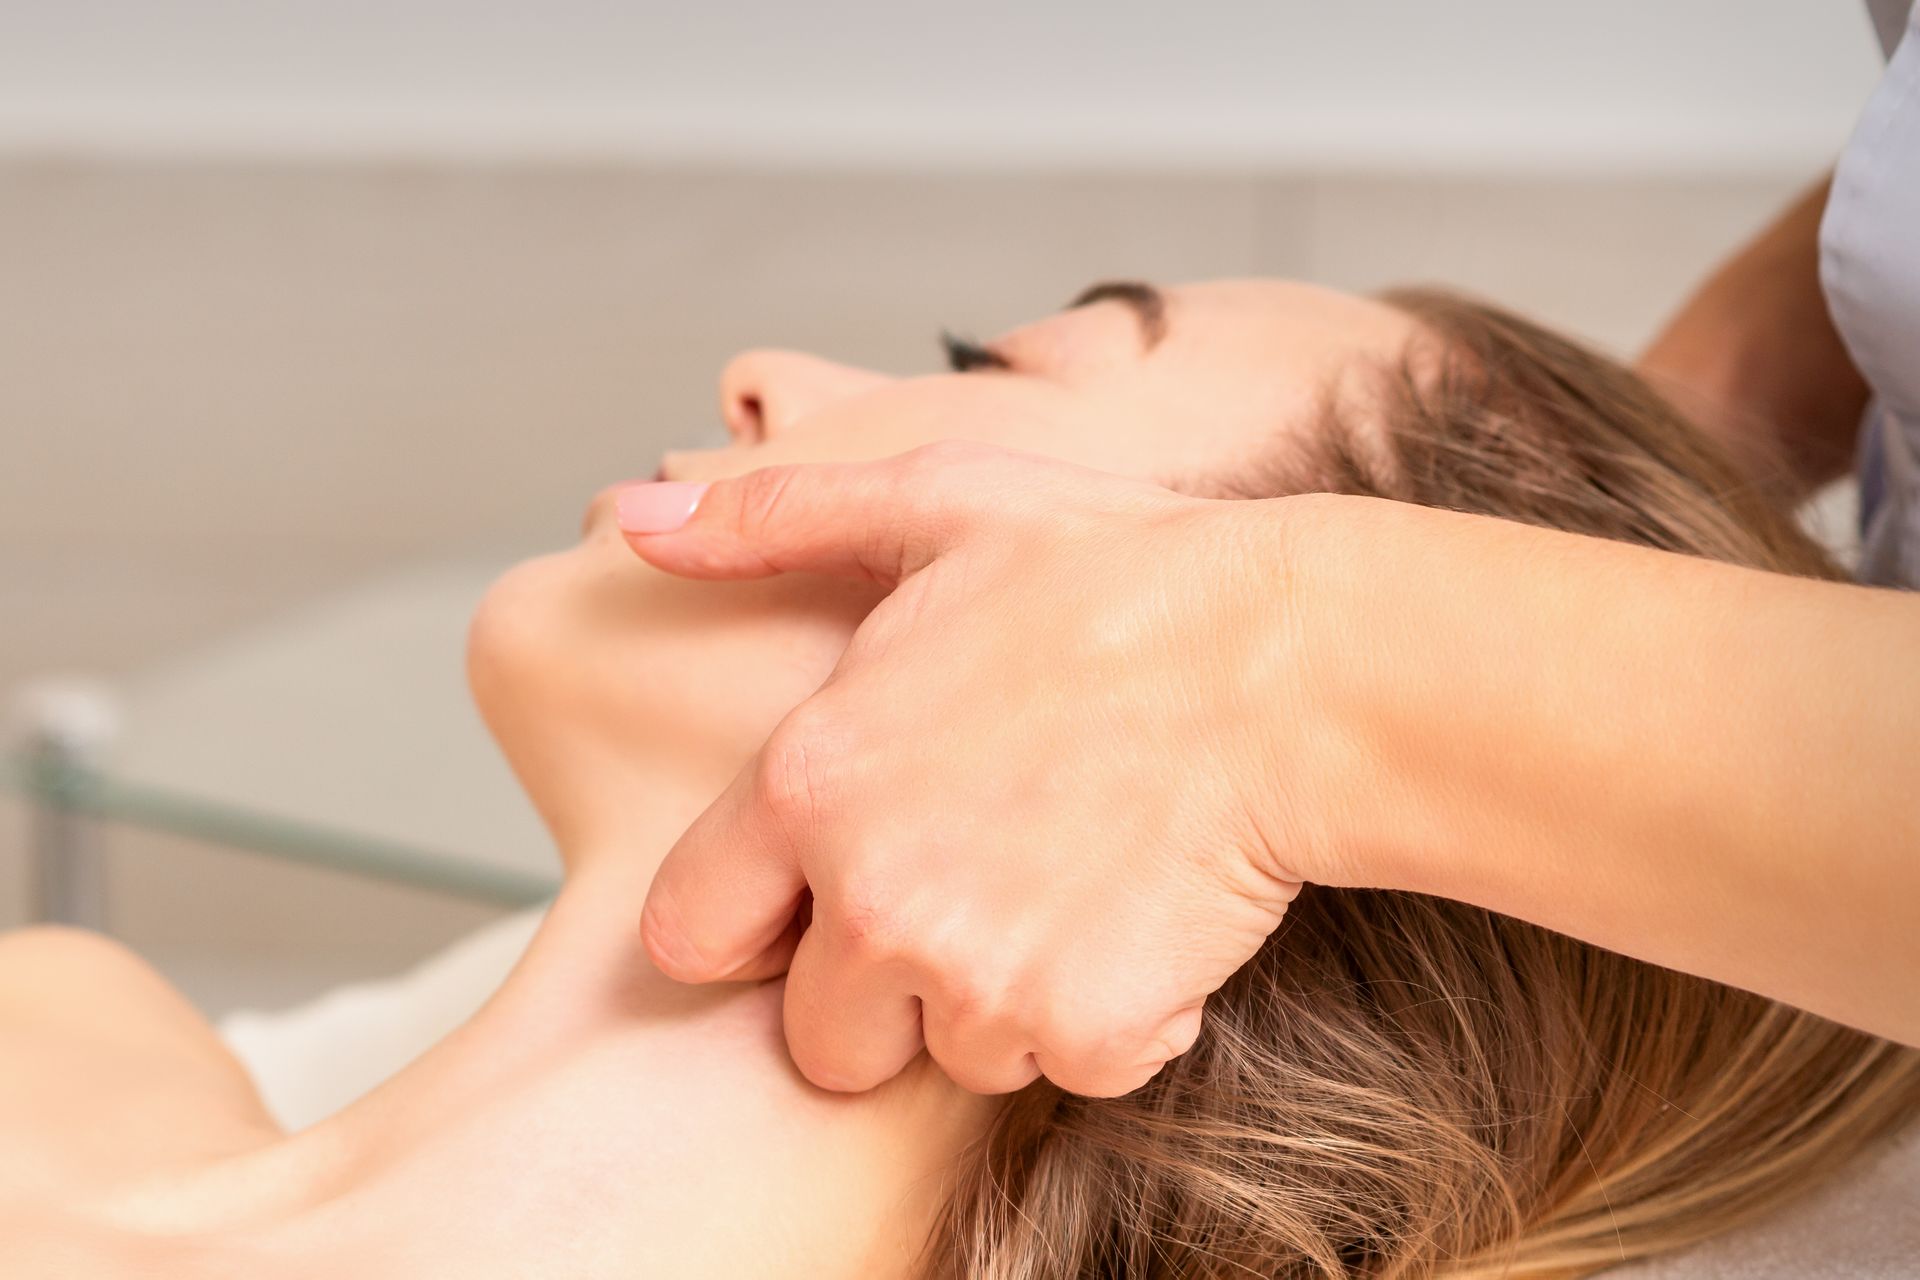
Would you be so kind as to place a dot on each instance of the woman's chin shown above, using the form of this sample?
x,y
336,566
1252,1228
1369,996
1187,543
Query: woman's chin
x,y
626,699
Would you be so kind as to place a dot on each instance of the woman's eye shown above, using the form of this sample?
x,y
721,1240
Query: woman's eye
x,y
964,354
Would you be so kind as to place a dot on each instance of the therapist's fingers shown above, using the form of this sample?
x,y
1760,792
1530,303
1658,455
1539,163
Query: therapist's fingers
x,y
775,959
722,903
850,1023
1103,1068
878,521
978,1053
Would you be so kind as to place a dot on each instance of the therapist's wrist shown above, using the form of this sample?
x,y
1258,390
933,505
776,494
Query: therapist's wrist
x,y
1296,634
1375,661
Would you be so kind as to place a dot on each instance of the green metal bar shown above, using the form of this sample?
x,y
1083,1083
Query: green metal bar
x,y
111,799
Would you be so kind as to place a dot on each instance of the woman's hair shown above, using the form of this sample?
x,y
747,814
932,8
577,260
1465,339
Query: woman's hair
x,y
1398,1085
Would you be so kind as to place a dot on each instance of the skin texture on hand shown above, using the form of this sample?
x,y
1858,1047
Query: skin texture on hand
x,y
1021,803
1070,773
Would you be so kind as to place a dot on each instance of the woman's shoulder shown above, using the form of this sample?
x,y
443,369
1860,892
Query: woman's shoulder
x,y
106,1071
76,984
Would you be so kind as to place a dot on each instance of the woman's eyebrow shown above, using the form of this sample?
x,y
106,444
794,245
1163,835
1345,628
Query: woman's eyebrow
x,y
1148,304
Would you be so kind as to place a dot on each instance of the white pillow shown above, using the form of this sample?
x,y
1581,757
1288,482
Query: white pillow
x,y
313,1059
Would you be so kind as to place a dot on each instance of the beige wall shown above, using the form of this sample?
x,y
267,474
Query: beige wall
x,y
227,389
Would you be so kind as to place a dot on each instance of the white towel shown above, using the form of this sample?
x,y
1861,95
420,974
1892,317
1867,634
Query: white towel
x,y
313,1059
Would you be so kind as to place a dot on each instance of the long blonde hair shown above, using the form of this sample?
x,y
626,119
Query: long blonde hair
x,y
1398,1085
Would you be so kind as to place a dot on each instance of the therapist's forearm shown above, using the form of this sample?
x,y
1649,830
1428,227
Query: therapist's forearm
x,y
1702,766
1754,357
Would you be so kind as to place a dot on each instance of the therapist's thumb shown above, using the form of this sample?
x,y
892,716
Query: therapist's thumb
x,y
879,521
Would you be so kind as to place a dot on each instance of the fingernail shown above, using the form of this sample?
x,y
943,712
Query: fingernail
x,y
657,506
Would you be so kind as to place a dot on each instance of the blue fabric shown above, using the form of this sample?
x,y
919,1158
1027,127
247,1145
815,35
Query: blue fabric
x,y
1870,269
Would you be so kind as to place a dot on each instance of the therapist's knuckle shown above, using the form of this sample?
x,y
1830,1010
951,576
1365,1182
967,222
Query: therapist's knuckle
x,y
968,992
931,461
824,1062
774,792
1117,1082
976,1078
1084,1032
926,476
979,988
790,776
762,501
1093,1065
872,914
1076,1074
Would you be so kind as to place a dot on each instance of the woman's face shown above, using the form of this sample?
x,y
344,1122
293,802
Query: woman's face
x,y
604,679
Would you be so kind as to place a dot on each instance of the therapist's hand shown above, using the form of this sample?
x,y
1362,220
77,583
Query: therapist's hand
x,y
1037,803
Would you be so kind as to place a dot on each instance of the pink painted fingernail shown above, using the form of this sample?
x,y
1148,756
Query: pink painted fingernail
x,y
657,506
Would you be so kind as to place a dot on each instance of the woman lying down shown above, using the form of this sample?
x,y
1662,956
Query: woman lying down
x,y
1394,1086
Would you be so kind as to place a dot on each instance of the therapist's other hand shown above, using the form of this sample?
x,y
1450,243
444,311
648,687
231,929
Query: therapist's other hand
x,y
1034,803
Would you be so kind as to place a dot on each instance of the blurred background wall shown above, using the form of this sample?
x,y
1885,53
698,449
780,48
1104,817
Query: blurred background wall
x,y
297,296
1367,84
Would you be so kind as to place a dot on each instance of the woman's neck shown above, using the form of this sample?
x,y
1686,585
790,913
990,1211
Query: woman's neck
x,y
584,972
596,1099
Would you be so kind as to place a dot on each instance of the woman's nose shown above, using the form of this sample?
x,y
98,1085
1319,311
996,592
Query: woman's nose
x,y
763,393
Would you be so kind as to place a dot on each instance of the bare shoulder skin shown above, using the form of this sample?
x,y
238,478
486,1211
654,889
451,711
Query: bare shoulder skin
x,y
106,1073
593,1118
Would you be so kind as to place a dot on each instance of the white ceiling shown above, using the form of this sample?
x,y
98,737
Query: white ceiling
x,y
1638,84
